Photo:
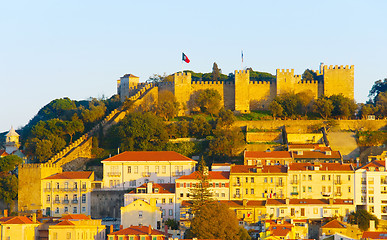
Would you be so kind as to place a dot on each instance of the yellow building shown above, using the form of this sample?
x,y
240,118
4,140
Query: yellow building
x,y
320,180
336,226
18,228
279,229
258,183
141,213
66,192
77,226
248,211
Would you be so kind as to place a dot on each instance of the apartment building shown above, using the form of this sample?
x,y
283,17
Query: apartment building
x,y
320,180
371,188
18,227
163,193
260,158
258,183
141,213
132,169
67,192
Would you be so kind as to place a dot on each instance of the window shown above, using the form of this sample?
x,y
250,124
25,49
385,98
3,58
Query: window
x,y
57,210
170,200
349,189
251,180
83,198
329,177
170,212
147,169
75,185
57,185
66,197
157,169
188,185
315,210
164,169
136,169
75,197
68,235
309,189
265,180
83,185
66,209
187,194
140,214
48,185
181,194
55,235
162,212
211,184
247,179
372,209
303,189
371,199
323,177
247,191
252,191
223,195
163,201
216,184
271,180
130,169
323,189
238,180
310,177
237,191
223,185
349,177
75,210
66,185
48,199
83,209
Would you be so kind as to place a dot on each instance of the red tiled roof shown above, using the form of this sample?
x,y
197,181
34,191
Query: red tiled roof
x,y
272,201
16,220
3,153
75,217
137,230
316,154
163,187
211,175
280,230
321,166
374,235
65,223
334,224
376,164
308,146
267,155
254,169
71,175
148,156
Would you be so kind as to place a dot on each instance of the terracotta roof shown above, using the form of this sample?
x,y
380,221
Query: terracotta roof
x,y
65,223
16,220
148,156
375,164
211,175
254,169
321,166
163,187
3,153
266,155
137,230
316,154
222,164
334,224
272,201
280,230
75,217
71,175
374,235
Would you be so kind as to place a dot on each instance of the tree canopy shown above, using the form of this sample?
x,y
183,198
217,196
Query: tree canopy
x,y
167,106
226,143
208,101
200,193
9,163
362,218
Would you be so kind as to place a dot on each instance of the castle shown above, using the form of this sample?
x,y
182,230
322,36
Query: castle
x,y
243,95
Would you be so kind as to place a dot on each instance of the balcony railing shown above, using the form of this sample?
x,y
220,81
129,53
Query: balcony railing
x,y
237,184
326,194
146,174
57,201
280,184
337,193
363,182
83,189
338,182
114,174
74,201
370,192
47,189
294,193
293,181
177,174
383,192
237,195
65,201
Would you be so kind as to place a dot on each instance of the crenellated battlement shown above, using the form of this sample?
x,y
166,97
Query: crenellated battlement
x,y
181,74
285,71
198,82
308,82
254,82
241,72
38,165
331,67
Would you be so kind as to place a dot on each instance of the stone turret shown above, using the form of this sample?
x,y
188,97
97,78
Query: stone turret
x,y
11,141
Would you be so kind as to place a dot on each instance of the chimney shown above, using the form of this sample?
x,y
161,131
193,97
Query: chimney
x,y
357,162
5,212
372,226
149,230
111,228
149,187
121,227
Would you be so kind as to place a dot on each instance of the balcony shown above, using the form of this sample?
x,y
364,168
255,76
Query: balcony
x,y
338,182
326,194
337,193
47,189
294,193
383,181
293,181
114,174
57,201
74,201
83,189
237,195
363,182
146,174
237,184
66,201
280,184
383,192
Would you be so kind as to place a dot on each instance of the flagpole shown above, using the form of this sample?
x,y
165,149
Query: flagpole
x,y
242,60
182,64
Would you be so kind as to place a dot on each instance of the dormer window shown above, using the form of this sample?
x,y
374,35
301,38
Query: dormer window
x,y
328,152
156,190
300,153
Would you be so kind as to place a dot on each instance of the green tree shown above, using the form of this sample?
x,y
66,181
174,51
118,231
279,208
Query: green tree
x,y
167,106
183,128
215,72
208,101
200,193
378,87
309,75
216,221
323,106
343,107
381,104
362,218
225,119
8,188
226,143
138,132
8,163
73,126
200,127
276,109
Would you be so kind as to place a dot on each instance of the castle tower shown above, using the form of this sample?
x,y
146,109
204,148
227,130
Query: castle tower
x,y
30,191
285,81
125,83
11,141
242,100
182,90
338,79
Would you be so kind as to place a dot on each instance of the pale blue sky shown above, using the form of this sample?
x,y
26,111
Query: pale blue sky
x,y
78,49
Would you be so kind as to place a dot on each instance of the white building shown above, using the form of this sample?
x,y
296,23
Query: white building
x,y
132,169
371,188
164,193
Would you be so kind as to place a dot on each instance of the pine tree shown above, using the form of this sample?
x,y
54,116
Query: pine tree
x,y
215,72
200,193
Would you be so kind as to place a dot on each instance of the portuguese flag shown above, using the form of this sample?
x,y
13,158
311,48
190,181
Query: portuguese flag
x,y
185,58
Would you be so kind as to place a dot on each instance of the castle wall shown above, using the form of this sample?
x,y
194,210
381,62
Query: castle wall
x,y
215,85
30,191
182,90
339,79
260,94
229,95
286,81
307,86
242,99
